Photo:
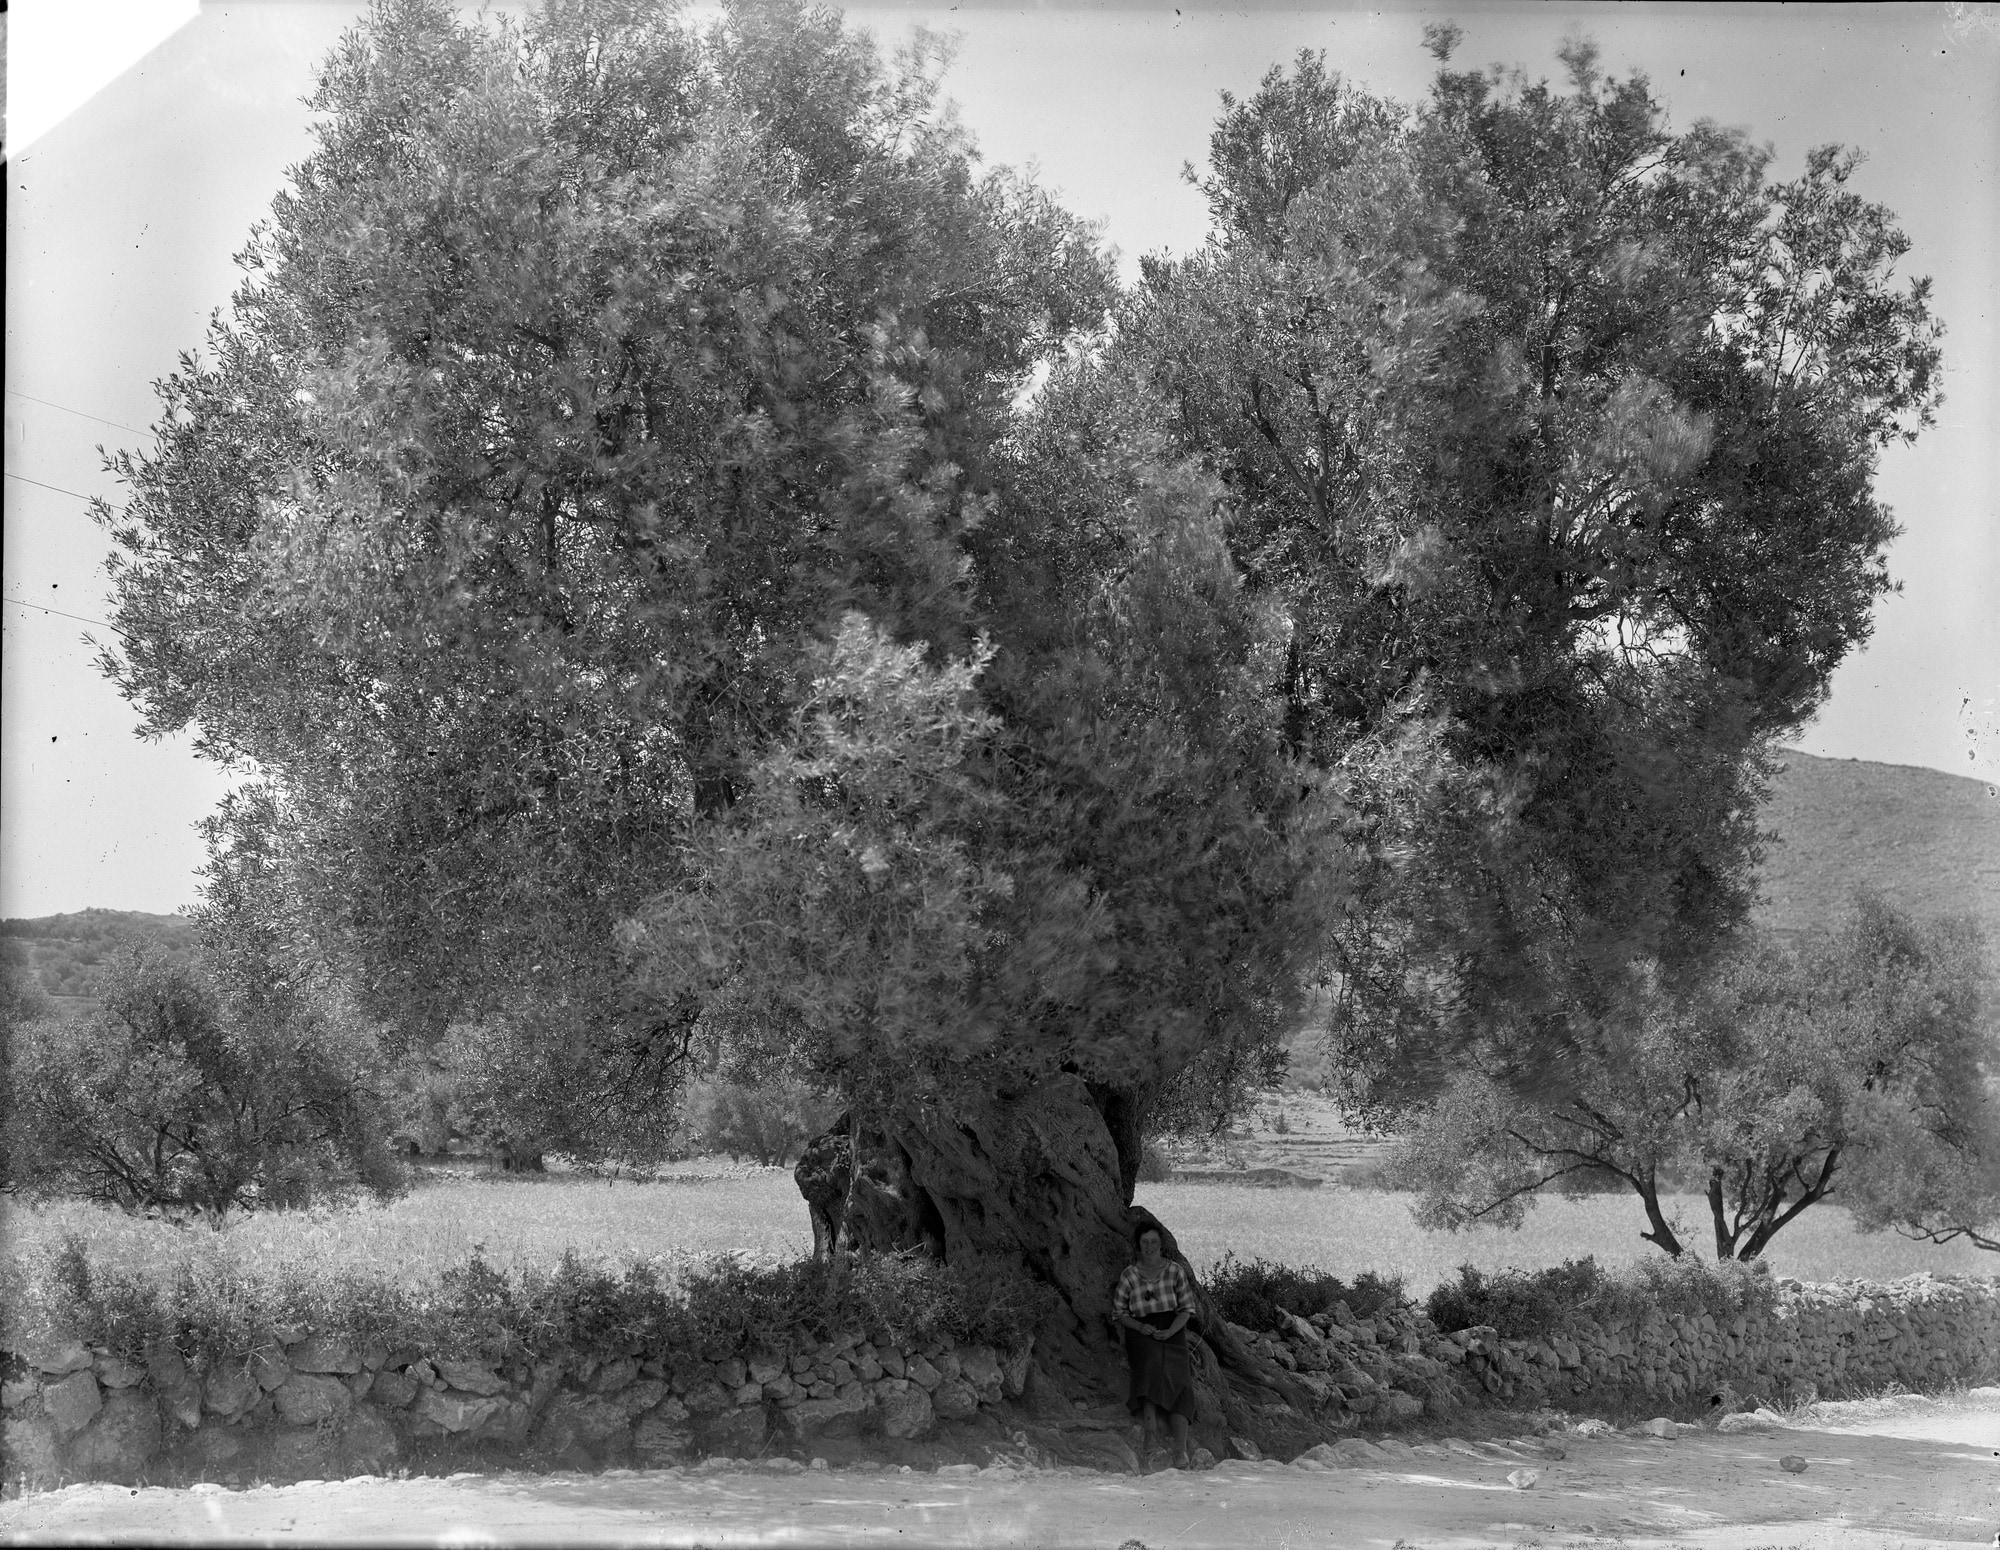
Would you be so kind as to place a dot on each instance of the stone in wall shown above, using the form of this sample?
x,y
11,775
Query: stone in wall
x,y
612,1376
114,1372
781,1388
393,1390
71,1402
269,1367
306,1399
219,1448
1014,1372
120,1441
980,1367
301,1453
738,1433
637,1398
324,1354
905,1407
168,1376
31,1447
955,1400
1388,1366
572,1419
368,1443
836,1415
470,1377
57,1356
508,1424
437,1412
660,1439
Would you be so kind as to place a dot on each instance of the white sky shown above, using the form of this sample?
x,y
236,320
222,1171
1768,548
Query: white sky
x,y
145,139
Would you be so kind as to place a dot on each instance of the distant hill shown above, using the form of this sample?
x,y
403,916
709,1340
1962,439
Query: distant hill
x,y
1929,843
70,954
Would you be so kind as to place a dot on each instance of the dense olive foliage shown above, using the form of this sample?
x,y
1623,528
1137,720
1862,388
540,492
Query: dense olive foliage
x,y
700,568
178,1099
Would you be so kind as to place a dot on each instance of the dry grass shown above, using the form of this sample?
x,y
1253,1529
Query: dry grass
x,y
516,1222
1349,1231
758,1215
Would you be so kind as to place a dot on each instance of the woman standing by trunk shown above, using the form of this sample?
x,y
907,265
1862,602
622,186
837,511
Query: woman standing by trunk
x,y
1153,1304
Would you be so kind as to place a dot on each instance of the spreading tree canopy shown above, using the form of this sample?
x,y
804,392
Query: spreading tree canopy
x,y
1852,1065
682,557
1551,432
180,1097
583,375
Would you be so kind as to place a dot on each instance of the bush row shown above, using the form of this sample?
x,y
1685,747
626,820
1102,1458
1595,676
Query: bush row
x,y
207,1303
1533,1304
1251,1292
1518,1304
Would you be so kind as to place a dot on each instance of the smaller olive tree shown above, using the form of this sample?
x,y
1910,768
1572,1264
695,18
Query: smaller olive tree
x,y
173,1100
768,1121
1855,1058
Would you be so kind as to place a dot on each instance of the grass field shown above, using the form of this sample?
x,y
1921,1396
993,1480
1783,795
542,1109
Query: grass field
x,y
517,1222
1348,1231
759,1216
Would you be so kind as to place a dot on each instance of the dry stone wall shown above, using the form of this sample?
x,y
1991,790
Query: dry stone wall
x,y
316,1408
1924,1334
313,1407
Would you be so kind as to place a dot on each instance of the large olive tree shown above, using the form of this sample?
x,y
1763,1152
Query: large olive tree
x,y
1552,432
613,528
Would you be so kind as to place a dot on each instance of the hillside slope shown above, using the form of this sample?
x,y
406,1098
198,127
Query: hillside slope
x,y
1929,843
70,954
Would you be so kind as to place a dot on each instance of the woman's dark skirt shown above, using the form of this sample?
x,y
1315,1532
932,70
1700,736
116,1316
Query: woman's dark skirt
x,y
1160,1370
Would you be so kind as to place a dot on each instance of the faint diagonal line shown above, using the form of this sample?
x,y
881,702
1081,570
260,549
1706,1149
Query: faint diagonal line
x,y
56,487
22,602
81,414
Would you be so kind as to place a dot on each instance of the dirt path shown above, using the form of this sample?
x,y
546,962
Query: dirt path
x,y
1912,1473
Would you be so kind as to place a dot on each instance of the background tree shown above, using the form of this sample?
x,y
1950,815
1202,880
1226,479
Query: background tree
x,y
22,998
1855,1066
581,368
611,528
172,1101
768,1122
1551,433
70,955
1931,1186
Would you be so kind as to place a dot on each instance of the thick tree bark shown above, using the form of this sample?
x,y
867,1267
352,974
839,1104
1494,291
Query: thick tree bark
x,y
1040,1182
1662,1232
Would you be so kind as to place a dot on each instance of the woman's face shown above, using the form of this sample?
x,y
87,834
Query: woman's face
x,y
1149,1246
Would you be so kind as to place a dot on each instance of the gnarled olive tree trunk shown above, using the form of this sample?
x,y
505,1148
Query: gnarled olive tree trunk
x,y
1043,1182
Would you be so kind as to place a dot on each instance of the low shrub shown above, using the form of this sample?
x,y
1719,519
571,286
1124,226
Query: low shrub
x,y
1523,1303
1153,1165
1720,1289
1250,1292
186,1097
770,1122
210,1303
1517,1302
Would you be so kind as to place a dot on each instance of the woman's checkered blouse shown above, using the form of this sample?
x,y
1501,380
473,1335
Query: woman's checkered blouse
x,y
1139,1294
